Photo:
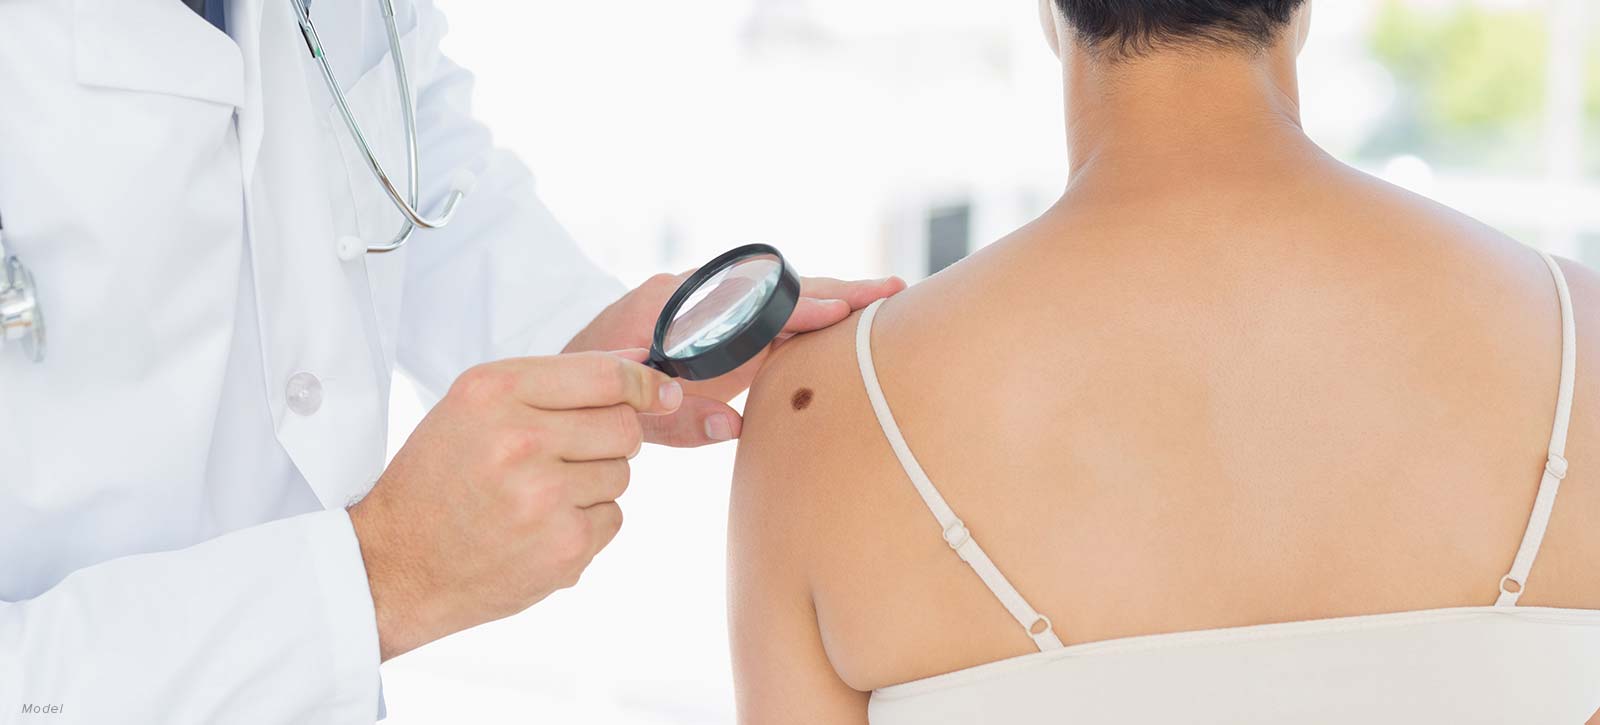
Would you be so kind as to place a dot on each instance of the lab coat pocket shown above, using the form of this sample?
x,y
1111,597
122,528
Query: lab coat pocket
x,y
374,101
361,207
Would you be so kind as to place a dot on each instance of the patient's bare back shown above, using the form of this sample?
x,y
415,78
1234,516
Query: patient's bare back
x,y
1292,397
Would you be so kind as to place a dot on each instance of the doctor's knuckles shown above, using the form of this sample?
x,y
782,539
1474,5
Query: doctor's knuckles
x,y
505,493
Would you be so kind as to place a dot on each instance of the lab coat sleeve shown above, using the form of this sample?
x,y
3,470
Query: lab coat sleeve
x,y
270,624
504,279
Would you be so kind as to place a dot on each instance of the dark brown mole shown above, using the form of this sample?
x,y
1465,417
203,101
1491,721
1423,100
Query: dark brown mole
x,y
802,398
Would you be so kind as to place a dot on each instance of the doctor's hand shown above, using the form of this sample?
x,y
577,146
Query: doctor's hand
x,y
706,417
505,492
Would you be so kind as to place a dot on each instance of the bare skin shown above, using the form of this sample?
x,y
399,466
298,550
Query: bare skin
x,y
1224,381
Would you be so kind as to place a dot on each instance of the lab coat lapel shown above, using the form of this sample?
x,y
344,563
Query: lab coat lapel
x,y
244,17
312,306
172,51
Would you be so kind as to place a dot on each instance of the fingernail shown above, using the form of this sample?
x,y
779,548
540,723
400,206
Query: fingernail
x,y
670,394
718,428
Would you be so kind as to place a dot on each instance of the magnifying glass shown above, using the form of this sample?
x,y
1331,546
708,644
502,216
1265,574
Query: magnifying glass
x,y
725,314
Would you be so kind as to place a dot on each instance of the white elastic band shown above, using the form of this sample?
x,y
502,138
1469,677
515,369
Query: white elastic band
x,y
1038,626
1515,582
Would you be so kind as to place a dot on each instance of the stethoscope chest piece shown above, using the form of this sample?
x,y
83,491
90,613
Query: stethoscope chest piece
x,y
21,320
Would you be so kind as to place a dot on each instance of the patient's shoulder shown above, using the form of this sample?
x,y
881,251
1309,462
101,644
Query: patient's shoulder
x,y
803,412
810,456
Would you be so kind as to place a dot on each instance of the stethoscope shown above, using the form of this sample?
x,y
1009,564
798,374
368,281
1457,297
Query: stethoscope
x,y
21,320
407,204
723,316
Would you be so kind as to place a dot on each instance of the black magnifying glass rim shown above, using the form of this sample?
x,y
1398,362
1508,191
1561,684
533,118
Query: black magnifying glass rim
x,y
744,344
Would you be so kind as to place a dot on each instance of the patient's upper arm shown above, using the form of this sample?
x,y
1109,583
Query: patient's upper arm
x,y
781,670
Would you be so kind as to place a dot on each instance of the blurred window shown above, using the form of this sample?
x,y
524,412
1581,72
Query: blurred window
x,y
949,236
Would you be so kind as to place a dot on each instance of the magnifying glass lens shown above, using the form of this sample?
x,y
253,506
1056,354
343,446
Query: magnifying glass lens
x,y
725,314
723,306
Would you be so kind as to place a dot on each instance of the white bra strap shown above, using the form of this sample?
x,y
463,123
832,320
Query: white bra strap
x,y
956,534
1555,469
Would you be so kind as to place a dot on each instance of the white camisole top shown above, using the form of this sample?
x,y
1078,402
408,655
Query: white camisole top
x,y
1490,664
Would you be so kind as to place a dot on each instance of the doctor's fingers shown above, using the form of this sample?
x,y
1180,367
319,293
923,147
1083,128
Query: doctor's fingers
x,y
605,520
592,483
701,421
858,293
591,434
812,314
572,382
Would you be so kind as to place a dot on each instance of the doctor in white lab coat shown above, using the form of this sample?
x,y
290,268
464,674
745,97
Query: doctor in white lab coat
x,y
196,522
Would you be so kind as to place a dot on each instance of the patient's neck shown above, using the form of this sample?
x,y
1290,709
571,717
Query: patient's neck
x,y
1168,114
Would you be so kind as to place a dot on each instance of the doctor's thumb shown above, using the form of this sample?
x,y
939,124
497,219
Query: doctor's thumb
x,y
699,422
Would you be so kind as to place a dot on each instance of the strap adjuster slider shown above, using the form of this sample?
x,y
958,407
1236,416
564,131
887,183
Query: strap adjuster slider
x,y
956,535
1556,466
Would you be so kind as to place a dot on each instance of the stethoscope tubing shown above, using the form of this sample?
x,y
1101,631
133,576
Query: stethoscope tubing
x,y
406,203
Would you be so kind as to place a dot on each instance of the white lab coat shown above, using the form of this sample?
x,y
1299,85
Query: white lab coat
x,y
113,190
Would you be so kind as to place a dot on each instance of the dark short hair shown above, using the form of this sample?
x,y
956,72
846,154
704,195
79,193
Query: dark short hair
x,y
1123,28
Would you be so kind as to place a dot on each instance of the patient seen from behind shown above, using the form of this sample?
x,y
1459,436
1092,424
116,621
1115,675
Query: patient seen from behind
x,y
1231,433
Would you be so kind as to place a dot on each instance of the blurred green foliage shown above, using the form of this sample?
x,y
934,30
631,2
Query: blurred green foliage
x,y
1470,81
1477,68
1594,73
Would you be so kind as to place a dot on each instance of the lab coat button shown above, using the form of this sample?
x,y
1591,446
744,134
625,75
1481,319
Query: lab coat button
x,y
351,248
304,393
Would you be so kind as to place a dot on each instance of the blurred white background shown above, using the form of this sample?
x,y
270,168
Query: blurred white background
x,y
868,137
